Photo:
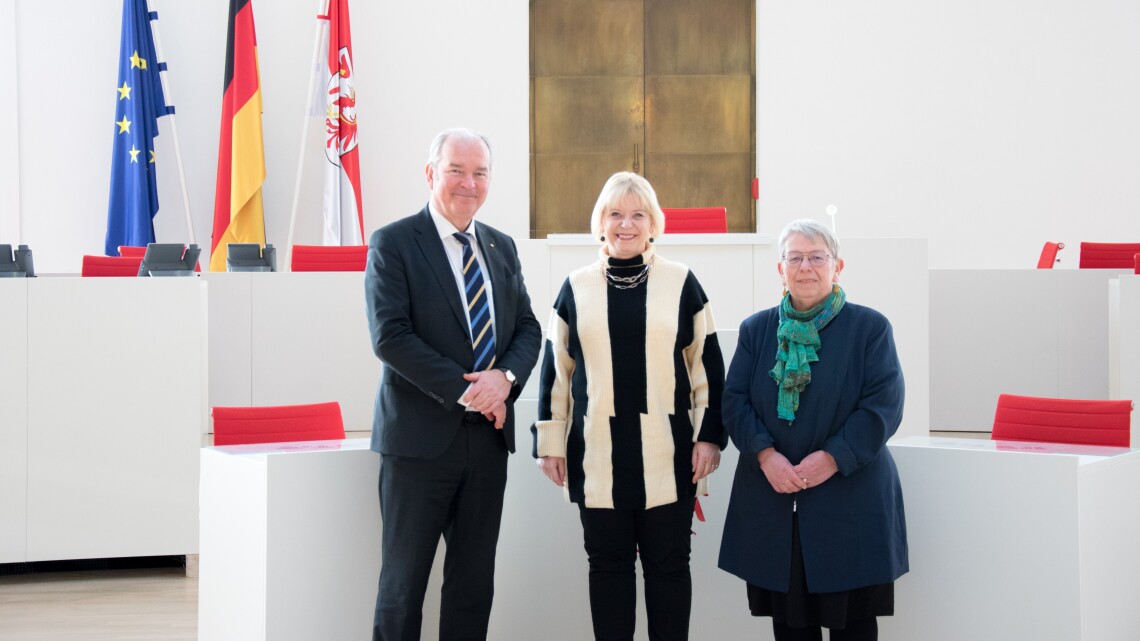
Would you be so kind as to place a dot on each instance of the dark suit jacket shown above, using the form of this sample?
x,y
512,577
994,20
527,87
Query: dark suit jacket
x,y
420,332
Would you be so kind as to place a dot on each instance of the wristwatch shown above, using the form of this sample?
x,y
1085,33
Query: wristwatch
x,y
510,375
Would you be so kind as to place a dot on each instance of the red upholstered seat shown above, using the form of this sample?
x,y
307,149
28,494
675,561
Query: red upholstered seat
x,y
1049,255
700,220
1108,255
111,265
277,424
1062,420
329,258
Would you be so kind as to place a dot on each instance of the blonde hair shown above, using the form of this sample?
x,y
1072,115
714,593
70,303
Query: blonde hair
x,y
620,185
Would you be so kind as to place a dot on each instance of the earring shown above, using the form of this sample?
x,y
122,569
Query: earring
x,y
652,239
602,238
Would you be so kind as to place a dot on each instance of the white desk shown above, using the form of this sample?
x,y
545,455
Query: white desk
x,y
283,338
290,541
106,426
1018,541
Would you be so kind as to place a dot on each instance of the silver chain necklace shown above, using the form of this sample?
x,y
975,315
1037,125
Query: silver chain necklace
x,y
627,282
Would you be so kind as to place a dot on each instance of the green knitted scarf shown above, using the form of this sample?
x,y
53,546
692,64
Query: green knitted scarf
x,y
798,337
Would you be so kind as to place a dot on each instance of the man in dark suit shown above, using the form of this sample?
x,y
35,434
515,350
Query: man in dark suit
x,y
451,321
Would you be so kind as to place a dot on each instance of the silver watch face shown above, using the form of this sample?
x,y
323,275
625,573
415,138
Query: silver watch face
x,y
510,375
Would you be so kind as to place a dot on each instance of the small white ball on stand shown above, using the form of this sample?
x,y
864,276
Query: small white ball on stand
x,y
831,211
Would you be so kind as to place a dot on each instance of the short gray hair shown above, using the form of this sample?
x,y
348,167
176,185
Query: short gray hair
x,y
620,185
435,151
812,230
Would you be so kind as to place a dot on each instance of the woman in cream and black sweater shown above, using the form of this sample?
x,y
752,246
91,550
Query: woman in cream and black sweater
x,y
629,412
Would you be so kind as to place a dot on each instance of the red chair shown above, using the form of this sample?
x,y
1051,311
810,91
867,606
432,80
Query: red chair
x,y
111,266
1062,420
1108,255
1136,264
1049,255
329,258
700,220
277,424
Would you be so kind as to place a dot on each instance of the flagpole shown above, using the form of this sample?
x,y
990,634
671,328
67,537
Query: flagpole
x,y
173,127
323,10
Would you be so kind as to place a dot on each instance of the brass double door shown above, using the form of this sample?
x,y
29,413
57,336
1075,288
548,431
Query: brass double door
x,y
661,87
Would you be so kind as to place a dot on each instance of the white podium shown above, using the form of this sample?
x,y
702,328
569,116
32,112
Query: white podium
x,y
102,409
290,541
1016,540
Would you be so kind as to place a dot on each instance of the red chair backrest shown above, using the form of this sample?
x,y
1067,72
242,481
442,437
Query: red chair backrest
x,y
1108,255
1049,255
111,265
699,220
1136,264
131,250
1063,420
277,424
329,258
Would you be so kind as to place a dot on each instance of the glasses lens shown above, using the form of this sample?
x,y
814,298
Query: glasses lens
x,y
815,260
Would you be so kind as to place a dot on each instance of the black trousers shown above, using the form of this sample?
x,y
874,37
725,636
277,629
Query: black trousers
x,y
458,496
613,540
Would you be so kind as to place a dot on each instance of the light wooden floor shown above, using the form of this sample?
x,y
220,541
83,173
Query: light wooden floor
x,y
107,605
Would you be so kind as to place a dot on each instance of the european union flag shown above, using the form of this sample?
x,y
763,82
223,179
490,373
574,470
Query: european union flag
x,y
139,105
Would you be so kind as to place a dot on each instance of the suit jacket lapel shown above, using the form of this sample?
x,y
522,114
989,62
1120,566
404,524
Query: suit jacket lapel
x,y
432,247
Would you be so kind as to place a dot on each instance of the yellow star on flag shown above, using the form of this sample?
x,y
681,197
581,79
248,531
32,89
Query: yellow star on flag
x,y
136,61
152,155
134,154
124,91
124,125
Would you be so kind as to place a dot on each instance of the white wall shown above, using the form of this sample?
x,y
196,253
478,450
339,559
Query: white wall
x,y
10,134
988,127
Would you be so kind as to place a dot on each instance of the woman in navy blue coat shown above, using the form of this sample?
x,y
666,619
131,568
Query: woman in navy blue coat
x,y
815,522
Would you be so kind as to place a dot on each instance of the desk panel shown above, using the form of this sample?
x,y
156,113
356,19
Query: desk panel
x,y
1124,341
1012,541
117,405
231,338
290,542
1018,331
13,418
311,343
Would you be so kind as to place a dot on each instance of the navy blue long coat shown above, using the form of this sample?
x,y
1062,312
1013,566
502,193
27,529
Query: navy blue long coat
x,y
852,527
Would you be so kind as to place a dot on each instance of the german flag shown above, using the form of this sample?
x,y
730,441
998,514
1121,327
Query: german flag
x,y
238,216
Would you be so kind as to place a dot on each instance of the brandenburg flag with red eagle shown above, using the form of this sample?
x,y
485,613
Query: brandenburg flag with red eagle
x,y
343,214
238,216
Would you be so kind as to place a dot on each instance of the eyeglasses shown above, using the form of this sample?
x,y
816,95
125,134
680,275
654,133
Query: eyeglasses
x,y
815,260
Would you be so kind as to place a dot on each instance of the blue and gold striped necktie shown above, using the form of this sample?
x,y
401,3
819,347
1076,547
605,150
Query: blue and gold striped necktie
x,y
478,307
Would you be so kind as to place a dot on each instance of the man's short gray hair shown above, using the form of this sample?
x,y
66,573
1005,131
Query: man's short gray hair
x,y
435,151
